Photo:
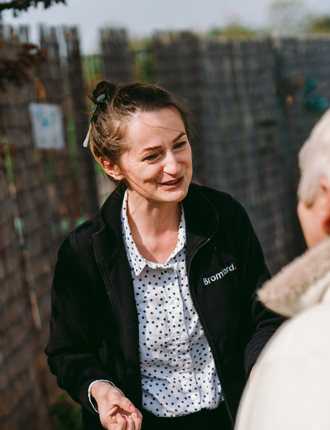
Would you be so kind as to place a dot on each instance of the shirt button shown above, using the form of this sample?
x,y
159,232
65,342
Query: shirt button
x,y
187,366
194,396
183,337
177,302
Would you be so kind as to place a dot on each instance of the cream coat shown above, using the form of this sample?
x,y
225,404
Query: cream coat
x,y
290,386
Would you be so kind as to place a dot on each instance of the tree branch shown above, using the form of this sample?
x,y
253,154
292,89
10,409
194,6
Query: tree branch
x,y
20,5
17,69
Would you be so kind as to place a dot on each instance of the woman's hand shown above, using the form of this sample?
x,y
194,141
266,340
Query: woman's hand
x,y
116,411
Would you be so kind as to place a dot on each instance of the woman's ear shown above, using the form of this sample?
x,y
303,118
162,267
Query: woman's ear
x,y
326,225
112,169
326,206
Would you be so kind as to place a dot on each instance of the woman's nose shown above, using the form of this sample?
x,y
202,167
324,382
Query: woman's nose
x,y
171,164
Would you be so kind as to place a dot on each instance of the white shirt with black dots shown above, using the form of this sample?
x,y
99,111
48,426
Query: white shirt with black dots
x,y
177,366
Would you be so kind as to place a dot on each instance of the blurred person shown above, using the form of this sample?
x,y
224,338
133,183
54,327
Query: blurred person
x,y
289,388
154,310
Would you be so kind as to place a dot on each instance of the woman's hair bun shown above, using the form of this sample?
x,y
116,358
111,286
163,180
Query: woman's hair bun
x,y
106,88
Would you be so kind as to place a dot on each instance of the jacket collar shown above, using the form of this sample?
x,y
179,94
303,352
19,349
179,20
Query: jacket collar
x,y
301,284
201,218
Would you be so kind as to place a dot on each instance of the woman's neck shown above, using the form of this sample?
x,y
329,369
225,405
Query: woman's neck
x,y
154,228
153,217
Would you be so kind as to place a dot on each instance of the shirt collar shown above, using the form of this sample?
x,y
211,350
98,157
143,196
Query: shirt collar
x,y
136,261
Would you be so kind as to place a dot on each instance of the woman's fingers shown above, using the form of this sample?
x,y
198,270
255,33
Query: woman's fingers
x,y
133,421
121,422
125,405
121,414
116,411
115,422
137,419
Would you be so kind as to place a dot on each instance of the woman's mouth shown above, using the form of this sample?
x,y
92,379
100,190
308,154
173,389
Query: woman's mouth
x,y
172,183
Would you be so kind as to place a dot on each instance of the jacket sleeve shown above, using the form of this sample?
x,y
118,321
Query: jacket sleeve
x,y
259,324
73,340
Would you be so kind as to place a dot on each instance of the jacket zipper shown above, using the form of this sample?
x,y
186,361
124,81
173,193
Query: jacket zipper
x,y
208,336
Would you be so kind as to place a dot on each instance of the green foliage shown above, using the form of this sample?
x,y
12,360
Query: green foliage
x,y
313,100
319,25
143,61
65,415
72,145
232,30
92,70
6,153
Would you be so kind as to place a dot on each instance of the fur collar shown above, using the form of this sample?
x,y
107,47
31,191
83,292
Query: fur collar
x,y
301,284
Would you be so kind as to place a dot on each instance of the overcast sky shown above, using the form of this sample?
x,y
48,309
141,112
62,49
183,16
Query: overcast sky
x,y
143,17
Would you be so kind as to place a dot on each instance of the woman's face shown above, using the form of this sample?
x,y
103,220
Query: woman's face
x,y
158,164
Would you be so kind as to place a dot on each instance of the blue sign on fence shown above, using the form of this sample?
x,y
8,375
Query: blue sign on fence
x,y
47,126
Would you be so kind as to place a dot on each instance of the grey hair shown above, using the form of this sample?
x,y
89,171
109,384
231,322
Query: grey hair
x,y
314,160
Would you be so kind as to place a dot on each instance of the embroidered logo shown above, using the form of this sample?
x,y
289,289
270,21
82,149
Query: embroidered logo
x,y
220,274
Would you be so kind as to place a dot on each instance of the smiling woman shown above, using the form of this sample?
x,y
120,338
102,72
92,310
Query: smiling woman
x,y
154,309
157,166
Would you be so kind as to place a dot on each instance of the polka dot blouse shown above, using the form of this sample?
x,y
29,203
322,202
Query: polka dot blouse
x,y
177,366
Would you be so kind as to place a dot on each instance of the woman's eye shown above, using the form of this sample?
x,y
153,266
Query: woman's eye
x,y
180,144
150,157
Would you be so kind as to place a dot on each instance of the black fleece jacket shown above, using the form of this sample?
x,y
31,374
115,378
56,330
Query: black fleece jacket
x,y
94,324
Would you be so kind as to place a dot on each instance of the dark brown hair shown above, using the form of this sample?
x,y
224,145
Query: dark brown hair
x,y
115,104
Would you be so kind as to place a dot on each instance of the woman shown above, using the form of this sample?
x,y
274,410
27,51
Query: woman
x,y
153,306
